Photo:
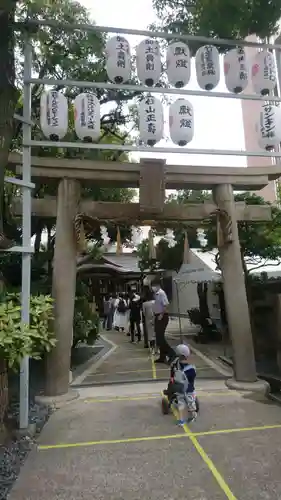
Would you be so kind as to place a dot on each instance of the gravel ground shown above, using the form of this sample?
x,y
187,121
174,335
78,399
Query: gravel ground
x,y
14,452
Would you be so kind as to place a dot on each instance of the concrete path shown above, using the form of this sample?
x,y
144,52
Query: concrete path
x,y
114,444
128,363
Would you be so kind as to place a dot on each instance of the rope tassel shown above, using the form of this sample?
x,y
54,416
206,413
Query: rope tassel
x,y
152,250
119,248
186,250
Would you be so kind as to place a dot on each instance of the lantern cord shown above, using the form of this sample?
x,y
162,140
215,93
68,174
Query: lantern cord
x,y
128,147
155,90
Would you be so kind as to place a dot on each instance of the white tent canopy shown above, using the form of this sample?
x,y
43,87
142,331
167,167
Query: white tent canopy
x,y
190,273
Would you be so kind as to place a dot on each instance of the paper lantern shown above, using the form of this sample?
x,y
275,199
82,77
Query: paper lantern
x,y
118,59
151,120
181,122
87,117
148,62
178,64
263,72
269,127
235,70
207,64
53,115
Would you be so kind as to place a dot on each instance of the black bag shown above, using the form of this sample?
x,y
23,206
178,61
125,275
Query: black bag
x,y
121,308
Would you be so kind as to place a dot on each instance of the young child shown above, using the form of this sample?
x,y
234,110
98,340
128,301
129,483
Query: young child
x,y
187,398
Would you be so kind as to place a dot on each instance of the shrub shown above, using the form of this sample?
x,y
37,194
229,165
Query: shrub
x,y
18,340
85,323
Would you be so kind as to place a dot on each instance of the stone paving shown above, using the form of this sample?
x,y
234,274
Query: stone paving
x,y
114,444
131,363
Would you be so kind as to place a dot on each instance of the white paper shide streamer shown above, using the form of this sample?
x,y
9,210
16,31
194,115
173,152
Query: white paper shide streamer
x,y
207,64
151,120
170,238
201,237
53,115
181,122
264,72
104,235
118,59
148,62
269,127
236,70
87,117
178,64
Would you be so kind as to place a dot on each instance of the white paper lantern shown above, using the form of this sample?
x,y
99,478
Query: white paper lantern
x,y
53,115
181,122
207,64
136,235
170,238
148,62
236,70
87,117
118,59
178,64
263,72
151,120
269,127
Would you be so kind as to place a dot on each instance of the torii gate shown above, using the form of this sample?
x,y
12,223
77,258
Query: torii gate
x,y
148,177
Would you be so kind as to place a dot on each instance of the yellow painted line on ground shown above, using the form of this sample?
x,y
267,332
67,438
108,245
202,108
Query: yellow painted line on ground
x,y
139,371
113,441
140,439
210,464
239,429
154,373
143,397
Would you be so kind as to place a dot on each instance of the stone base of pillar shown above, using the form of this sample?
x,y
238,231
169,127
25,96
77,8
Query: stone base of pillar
x,y
259,386
57,401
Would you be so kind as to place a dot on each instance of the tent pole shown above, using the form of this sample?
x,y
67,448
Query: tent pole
x,y
179,316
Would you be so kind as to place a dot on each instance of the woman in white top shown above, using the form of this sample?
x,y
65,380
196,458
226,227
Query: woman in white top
x,y
120,318
147,308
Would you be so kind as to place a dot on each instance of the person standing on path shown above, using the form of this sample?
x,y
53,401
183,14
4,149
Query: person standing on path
x,y
107,312
160,309
135,315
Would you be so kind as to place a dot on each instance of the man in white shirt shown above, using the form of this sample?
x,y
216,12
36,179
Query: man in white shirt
x,y
160,308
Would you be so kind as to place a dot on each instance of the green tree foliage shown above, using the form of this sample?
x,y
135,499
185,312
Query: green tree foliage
x,y
260,242
61,54
219,18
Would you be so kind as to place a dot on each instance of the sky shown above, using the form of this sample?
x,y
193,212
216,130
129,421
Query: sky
x,y
218,121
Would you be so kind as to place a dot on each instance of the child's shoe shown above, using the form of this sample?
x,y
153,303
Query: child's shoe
x,y
181,423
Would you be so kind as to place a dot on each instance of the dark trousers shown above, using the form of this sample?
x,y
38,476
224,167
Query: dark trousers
x,y
144,329
160,326
107,321
135,324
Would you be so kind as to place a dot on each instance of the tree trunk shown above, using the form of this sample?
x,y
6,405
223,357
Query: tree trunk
x,y
8,92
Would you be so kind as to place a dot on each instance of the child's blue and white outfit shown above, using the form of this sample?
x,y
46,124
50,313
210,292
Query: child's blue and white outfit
x,y
185,376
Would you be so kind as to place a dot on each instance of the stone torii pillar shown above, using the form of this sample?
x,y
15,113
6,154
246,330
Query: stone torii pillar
x,y
63,289
236,299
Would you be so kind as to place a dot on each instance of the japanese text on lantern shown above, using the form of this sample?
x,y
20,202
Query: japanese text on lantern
x,y
268,68
121,61
207,64
180,51
91,112
242,65
150,114
268,124
52,110
186,113
150,51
